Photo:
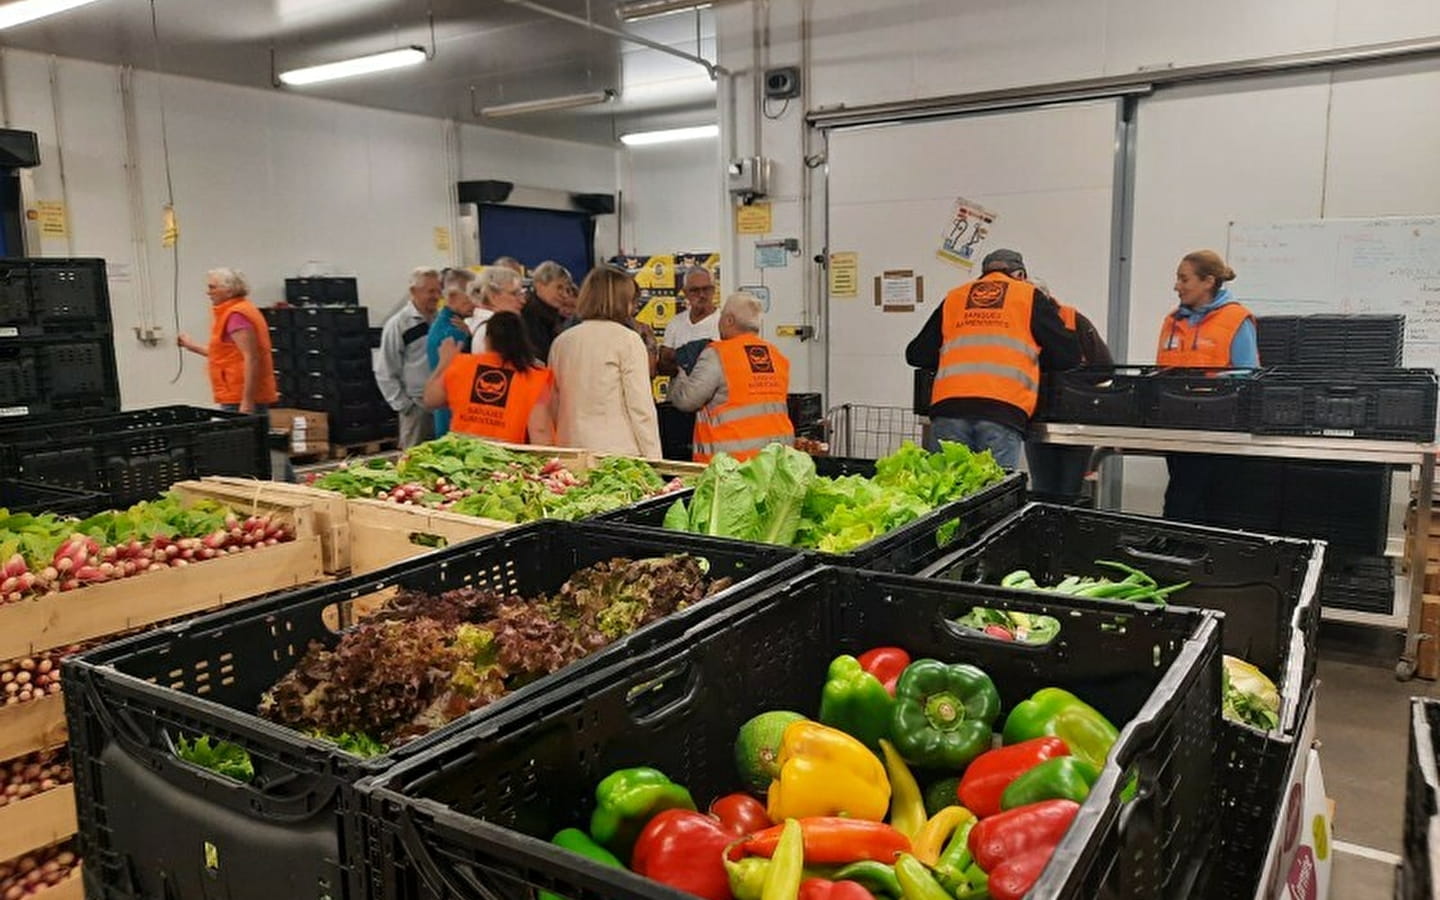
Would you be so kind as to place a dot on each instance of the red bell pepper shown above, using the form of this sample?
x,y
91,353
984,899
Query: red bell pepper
x,y
986,779
820,889
1020,830
886,664
832,840
740,814
1014,877
686,850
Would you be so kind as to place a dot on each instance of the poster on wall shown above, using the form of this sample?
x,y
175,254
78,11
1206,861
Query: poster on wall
x,y
659,278
968,229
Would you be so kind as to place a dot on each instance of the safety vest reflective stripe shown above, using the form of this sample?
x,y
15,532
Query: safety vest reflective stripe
x,y
990,340
749,411
996,369
743,446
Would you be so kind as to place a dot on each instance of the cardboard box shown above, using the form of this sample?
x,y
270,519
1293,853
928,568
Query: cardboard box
x,y
309,430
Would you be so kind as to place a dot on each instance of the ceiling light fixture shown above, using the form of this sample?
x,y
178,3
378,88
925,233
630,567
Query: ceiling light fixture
x,y
635,10
18,13
549,104
360,65
669,135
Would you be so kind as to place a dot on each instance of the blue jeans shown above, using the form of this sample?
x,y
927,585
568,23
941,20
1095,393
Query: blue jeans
x,y
979,435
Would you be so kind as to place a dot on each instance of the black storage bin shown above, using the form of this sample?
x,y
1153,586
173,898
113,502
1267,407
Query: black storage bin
x,y
144,814
299,291
1345,504
1416,877
1350,342
1276,337
1268,588
136,455
29,497
1358,583
1253,496
1113,395
472,818
49,377
341,289
1396,404
923,388
1208,399
54,296
909,548
332,319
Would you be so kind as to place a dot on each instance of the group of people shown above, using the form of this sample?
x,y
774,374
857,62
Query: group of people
x,y
991,339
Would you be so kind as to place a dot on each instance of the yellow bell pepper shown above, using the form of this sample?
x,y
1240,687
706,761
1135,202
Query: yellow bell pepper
x,y
826,772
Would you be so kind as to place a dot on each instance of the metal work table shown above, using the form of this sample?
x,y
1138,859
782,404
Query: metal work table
x,y
1233,443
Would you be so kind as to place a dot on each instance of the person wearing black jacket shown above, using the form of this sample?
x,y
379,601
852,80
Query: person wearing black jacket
x,y
988,343
550,306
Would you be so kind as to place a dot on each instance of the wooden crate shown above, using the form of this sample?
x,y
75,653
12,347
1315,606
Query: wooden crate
x,y
1428,655
112,607
382,534
72,888
332,518
36,725
37,821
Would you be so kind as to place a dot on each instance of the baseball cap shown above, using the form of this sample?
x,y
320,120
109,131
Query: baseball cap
x,y
1002,261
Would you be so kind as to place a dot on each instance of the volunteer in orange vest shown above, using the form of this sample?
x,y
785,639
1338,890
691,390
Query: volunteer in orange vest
x,y
502,394
737,388
242,370
988,342
1208,330
1057,471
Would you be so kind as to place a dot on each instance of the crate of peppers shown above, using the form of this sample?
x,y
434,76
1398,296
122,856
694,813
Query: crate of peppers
x,y
840,735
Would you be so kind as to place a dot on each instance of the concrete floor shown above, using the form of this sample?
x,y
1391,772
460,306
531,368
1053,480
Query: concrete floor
x,y
1363,729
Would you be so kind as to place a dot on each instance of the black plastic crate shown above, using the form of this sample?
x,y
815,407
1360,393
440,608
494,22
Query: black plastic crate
x,y
331,368
909,548
321,290
1345,504
805,409
1276,337
46,296
1268,588
1359,583
136,455
332,319
1333,401
28,497
1416,877
341,289
1113,395
304,290
1253,498
144,814
50,376
1209,399
1350,342
473,818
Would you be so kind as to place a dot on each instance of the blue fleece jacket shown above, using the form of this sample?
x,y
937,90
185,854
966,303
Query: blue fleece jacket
x,y
1244,348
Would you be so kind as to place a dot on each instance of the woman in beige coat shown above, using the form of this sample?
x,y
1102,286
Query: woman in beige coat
x,y
602,373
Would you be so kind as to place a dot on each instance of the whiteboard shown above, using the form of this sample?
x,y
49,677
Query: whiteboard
x,y
1383,266
1046,173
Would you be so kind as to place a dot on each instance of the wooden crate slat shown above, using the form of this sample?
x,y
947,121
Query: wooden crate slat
x,y
36,725
37,821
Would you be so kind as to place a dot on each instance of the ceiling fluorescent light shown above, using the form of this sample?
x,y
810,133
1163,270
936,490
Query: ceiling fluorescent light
x,y
549,104
669,135
360,65
18,13
649,9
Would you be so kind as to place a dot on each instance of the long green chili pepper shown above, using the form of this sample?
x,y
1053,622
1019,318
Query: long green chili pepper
x,y
875,877
916,882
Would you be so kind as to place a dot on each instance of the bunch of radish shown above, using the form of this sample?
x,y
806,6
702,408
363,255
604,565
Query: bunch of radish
x,y
80,560
409,494
34,774
451,491
34,872
33,677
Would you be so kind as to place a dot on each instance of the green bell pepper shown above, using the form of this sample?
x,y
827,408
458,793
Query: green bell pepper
x,y
1062,778
943,714
577,841
1058,713
856,702
627,799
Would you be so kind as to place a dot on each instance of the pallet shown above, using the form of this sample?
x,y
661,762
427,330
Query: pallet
x,y
37,821
98,610
363,448
36,725
332,519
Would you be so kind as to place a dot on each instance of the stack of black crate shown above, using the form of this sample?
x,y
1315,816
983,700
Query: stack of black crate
x,y
57,346
323,363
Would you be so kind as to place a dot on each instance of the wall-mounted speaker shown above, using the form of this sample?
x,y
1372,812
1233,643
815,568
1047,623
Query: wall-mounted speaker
x,y
782,84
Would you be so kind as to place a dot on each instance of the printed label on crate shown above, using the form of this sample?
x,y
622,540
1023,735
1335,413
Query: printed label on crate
x,y
9,332
1338,432
14,411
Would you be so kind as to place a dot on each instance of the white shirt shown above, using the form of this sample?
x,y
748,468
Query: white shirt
x,y
681,331
477,328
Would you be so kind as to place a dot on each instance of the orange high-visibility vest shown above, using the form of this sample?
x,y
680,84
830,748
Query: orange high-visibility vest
x,y
489,399
757,378
227,363
1206,345
987,350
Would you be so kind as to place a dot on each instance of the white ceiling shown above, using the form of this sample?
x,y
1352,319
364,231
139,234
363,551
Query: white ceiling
x,y
486,52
